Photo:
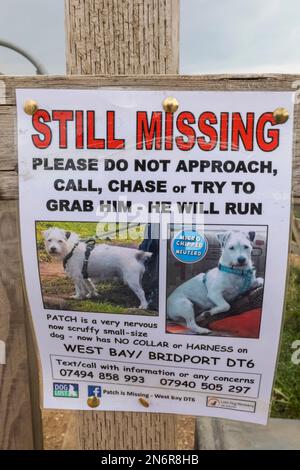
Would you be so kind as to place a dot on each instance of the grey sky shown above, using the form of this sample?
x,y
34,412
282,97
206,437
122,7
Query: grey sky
x,y
216,36
240,36
38,27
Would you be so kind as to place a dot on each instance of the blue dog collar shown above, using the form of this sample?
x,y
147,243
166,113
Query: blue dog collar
x,y
247,274
236,271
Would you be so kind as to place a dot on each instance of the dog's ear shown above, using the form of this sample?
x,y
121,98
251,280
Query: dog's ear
x,y
251,236
45,233
67,234
222,237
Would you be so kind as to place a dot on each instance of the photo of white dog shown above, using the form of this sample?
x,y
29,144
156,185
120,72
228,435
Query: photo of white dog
x,y
87,264
212,292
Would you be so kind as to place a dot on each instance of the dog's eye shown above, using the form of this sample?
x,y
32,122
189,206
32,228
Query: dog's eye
x,y
50,240
231,248
60,241
246,247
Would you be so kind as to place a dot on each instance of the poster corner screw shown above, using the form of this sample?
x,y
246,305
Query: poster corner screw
x,y
144,402
280,115
170,104
93,402
30,107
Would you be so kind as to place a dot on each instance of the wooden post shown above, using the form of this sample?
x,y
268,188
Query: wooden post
x,y
20,416
122,37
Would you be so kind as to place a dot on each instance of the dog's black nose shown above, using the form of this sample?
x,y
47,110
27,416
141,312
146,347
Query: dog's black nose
x,y
241,259
52,249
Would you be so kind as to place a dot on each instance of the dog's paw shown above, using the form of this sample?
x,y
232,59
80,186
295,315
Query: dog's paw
x,y
203,331
259,281
143,306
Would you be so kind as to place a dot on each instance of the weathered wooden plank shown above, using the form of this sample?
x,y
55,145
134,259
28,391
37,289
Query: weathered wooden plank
x,y
8,138
9,189
272,82
16,431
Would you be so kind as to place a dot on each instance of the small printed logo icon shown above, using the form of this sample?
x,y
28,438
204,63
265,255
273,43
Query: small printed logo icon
x,y
231,404
65,390
94,392
189,246
212,401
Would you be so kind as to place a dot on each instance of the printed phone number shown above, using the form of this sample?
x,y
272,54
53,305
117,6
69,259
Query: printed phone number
x,y
196,385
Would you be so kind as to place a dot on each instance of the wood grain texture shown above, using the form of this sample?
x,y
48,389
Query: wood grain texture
x,y
221,82
8,138
9,189
96,430
122,37
296,231
16,431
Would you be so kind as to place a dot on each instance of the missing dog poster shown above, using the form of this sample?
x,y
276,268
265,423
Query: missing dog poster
x,y
155,235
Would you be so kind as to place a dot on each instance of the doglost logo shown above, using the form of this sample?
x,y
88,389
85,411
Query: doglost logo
x,y
62,390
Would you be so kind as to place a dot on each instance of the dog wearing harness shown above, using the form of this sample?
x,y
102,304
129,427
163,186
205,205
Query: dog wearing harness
x,y
212,292
88,262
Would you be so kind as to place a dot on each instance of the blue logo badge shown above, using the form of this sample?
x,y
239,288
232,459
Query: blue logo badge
x,y
189,246
94,391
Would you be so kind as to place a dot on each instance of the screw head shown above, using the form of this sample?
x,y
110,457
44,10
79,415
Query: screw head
x,y
170,104
144,402
30,107
280,115
93,402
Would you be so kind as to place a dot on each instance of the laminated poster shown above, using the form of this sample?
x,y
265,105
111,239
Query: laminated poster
x,y
155,244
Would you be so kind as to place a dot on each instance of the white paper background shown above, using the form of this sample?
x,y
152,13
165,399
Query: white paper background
x,y
274,192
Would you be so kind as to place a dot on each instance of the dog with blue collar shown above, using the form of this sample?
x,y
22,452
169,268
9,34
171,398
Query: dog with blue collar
x,y
213,292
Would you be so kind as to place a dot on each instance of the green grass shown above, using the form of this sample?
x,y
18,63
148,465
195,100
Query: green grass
x,y
118,298
59,286
286,396
95,306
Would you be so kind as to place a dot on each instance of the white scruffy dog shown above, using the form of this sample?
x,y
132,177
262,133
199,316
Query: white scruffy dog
x,y
105,262
212,292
